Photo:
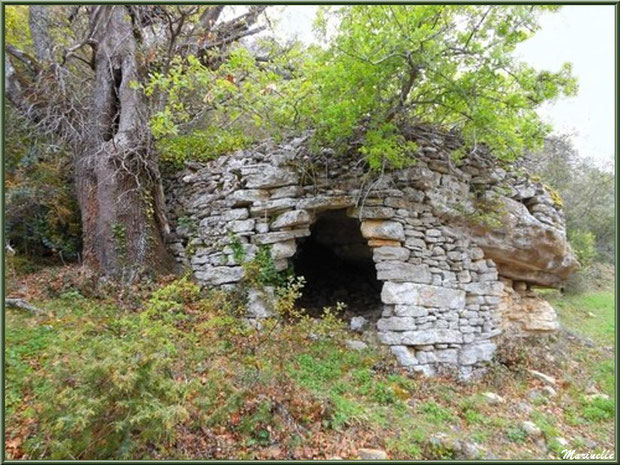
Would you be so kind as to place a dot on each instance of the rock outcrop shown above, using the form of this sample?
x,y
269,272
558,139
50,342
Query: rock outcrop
x,y
442,236
523,312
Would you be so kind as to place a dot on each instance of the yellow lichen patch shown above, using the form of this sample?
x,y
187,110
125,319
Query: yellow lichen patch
x,y
555,196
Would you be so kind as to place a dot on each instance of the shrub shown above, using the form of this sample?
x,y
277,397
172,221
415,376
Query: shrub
x,y
112,389
584,246
261,270
168,303
517,435
436,413
125,395
42,215
599,409
200,146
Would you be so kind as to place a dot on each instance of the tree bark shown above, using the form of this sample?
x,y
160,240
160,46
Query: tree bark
x,y
117,178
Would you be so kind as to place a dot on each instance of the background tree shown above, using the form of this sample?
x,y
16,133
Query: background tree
x,y
587,190
73,74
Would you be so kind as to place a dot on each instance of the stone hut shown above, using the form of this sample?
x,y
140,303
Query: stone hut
x,y
439,257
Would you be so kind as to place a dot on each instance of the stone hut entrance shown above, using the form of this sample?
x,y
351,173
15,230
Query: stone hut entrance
x,y
402,245
338,266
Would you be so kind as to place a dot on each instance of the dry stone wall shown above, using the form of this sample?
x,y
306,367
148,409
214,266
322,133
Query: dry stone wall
x,y
435,253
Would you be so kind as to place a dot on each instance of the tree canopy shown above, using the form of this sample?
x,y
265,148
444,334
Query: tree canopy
x,y
445,65
450,66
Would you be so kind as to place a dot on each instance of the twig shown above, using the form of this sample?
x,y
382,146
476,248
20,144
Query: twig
x,y
21,303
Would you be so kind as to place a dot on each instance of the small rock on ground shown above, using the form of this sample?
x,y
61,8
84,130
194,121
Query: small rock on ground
x,y
531,429
524,407
543,377
493,398
549,391
356,345
358,323
470,450
372,454
591,389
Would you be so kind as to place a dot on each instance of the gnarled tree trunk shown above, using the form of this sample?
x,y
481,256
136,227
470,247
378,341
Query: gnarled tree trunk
x,y
89,103
117,178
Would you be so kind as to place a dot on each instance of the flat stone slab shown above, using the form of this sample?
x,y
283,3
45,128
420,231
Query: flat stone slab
x,y
267,176
290,219
432,336
379,229
390,253
421,337
422,294
400,271
280,236
220,275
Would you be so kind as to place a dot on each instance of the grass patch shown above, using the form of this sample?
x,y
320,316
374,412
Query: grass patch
x,y
598,409
436,413
517,435
575,313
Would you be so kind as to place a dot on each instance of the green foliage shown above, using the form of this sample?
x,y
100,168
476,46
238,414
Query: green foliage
x,y
385,144
89,379
237,249
436,413
546,423
583,244
168,303
209,112
261,270
586,190
592,314
438,64
489,211
200,145
17,32
408,443
189,224
124,394
119,233
42,215
517,435
599,409
604,375
471,411
385,67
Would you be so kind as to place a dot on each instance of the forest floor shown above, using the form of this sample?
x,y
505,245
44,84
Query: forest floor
x,y
165,371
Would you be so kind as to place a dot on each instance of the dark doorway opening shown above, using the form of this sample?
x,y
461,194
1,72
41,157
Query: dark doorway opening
x,y
337,264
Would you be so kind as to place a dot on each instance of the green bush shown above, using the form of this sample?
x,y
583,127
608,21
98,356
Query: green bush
x,y
599,409
42,216
517,435
124,395
200,145
584,246
261,270
112,390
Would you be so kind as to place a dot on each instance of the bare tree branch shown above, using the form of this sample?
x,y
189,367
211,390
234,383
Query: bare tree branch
x,y
39,30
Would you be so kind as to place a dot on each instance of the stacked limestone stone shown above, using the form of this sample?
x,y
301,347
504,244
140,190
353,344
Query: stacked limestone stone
x,y
440,289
